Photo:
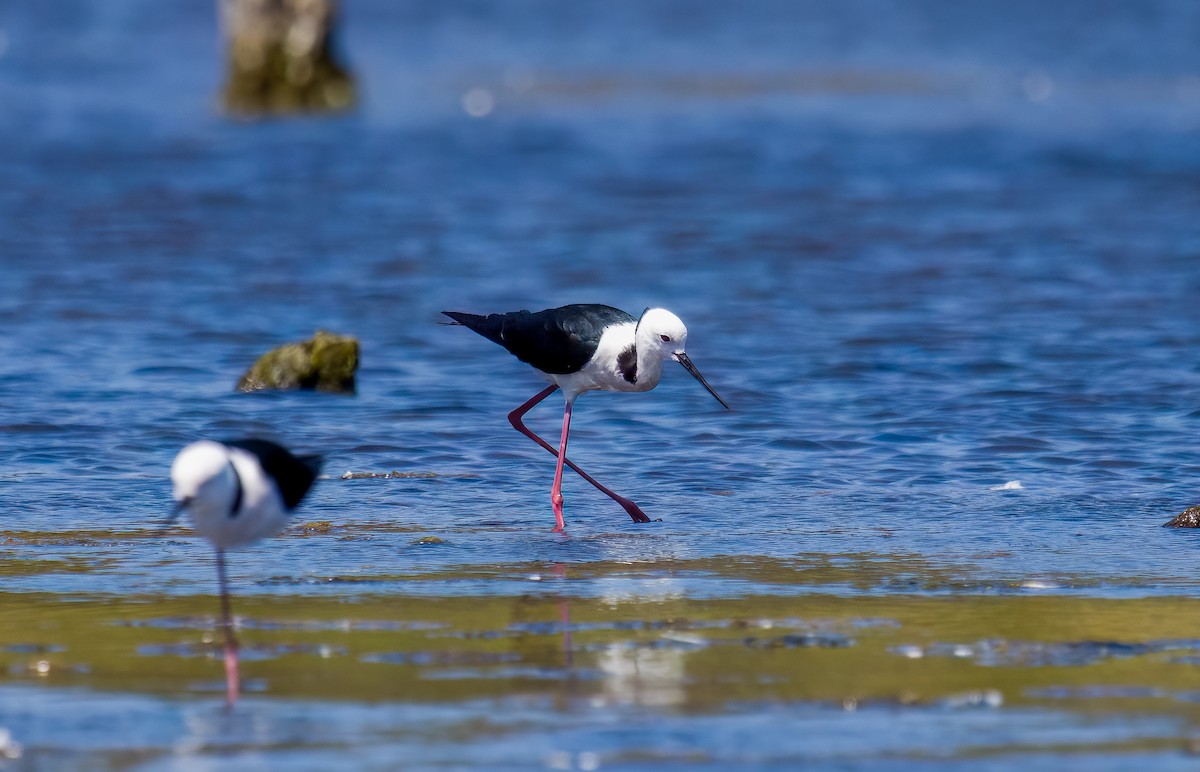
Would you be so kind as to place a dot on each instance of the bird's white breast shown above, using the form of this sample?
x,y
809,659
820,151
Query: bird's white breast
x,y
260,514
603,370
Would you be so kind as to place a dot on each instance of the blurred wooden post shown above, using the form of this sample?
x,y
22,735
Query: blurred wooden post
x,y
280,58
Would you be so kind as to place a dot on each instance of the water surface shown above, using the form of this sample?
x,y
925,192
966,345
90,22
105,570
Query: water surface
x,y
941,262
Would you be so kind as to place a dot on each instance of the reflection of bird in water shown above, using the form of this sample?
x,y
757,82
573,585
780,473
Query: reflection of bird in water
x,y
236,493
586,348
564,618
541,641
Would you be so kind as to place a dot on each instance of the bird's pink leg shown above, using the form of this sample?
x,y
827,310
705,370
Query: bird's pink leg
x,y
231,644
515,417
556,499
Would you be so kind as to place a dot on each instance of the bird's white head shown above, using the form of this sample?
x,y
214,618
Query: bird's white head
x,y
203,479
663,333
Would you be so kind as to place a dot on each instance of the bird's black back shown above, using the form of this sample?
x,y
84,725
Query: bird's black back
x,y
557,340
294,475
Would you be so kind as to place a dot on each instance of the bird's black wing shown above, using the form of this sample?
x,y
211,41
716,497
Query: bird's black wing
x,y
557,340
293,474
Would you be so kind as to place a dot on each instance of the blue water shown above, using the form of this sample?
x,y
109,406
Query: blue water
x,y
924,250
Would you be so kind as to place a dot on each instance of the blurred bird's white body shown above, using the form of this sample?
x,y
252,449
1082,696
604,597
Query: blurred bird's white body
x,y
230,499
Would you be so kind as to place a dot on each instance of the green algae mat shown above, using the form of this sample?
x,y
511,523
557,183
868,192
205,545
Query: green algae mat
x,y
608,664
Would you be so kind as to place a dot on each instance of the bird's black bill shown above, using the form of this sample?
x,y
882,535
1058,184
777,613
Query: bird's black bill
x,y
175,513
691,368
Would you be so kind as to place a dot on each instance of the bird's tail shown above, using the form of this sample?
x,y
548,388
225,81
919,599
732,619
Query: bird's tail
x,y
464,319
487,326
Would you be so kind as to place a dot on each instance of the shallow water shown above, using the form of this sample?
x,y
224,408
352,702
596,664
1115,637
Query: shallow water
x,y
942,263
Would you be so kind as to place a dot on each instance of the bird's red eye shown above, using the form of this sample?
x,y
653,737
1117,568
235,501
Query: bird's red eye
x,y
665,337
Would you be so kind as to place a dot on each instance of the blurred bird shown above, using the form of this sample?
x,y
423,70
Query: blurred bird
x,y
582,348
236,493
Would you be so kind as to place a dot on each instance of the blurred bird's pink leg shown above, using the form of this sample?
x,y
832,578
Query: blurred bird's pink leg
x,y
515,417
231,644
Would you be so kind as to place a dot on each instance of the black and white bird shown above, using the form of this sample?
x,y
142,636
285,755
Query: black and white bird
x,y
236,493
586,347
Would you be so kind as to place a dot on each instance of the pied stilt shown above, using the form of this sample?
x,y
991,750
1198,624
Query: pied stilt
x,y
586,348
236,493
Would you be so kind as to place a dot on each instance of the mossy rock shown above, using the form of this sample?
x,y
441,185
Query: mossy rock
x,y
327,362
1188,518
281,58
279,84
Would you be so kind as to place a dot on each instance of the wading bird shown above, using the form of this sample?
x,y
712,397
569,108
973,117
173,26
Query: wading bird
x,y
236,493
586,348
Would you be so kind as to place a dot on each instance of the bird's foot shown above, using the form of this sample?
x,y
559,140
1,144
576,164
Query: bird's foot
x,y
634,511
556,503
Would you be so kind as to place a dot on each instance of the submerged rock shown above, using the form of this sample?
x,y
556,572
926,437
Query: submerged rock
x,y
349,475
327,362
1188,518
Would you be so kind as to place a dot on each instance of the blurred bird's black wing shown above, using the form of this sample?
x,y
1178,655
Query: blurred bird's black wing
x,y
294,475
